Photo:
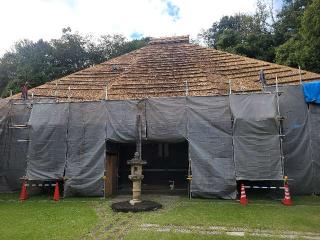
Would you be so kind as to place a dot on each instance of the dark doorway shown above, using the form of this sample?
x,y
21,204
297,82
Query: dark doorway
x,y
166,170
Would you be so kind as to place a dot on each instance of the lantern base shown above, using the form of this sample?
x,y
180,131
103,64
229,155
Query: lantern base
x,y
134,201
137,207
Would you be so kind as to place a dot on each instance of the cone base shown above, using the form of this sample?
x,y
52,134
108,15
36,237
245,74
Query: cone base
x,y
243,201
56,195
23,198
24,194
287,202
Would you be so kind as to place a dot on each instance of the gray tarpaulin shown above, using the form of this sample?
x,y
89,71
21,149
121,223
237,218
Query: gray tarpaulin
x,y
166,119
121,120
210,147
296,144
14,145
47,146
4,112
4,145
70,138
314,131
86,149
256,141
20,113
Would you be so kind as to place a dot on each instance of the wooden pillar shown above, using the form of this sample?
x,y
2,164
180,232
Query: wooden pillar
x,y
111,174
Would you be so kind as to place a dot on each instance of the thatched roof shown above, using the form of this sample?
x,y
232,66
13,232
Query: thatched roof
x,y
163,68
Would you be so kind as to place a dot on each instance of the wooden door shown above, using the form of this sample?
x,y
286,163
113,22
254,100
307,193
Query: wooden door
x,y
111,174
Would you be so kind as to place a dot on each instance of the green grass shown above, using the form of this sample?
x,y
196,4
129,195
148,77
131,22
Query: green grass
x,y
45,220
92,218
230,214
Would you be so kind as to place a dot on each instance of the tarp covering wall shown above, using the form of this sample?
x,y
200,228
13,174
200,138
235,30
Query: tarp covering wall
x,y
206,124
314,131
121,120
4,145
48,138
68,139
256,140
296,144
19,134
86,149
13,144
210,147
166,119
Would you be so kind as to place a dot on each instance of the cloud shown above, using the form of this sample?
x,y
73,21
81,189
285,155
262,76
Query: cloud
x,y
71,3
173,10
35,19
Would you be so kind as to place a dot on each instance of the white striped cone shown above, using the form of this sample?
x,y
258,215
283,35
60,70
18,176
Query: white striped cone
x,y
287,198
243,196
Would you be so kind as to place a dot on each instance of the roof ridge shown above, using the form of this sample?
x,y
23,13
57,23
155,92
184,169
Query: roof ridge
x,y
168,40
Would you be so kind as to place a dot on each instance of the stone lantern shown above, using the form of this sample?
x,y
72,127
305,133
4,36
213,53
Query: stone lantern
x,y
136,177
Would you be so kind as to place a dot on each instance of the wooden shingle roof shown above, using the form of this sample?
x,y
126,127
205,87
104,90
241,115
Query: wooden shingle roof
x,y
163,68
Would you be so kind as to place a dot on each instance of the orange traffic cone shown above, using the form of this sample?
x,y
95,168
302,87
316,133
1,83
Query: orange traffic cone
x,y
56,194
243,197
287,199
23,193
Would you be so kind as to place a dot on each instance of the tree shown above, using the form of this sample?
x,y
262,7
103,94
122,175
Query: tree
x,y
291,39
244,34
303,49
310,33
289,20
70,53
43,61
30,62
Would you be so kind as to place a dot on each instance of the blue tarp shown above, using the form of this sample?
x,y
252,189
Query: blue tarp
x,y
312,92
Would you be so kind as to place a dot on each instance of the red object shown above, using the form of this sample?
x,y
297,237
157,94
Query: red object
x,y
287,198
23,193
56,195
243,197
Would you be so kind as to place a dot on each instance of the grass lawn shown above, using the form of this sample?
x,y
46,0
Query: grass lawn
x,y
229,214
43,219
92,218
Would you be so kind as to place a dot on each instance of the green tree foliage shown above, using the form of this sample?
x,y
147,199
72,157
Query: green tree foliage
x,y
43,61
310,32
30,61
245,34
303,49
289,20
291,39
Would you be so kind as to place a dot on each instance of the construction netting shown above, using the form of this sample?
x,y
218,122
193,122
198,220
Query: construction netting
x,y
210,147
206,125
48,141
121,120
301,130
13,143
314,131
166,119
256,140
86,149
228,141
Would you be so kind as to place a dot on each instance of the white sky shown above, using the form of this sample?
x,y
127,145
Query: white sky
x,y
35,19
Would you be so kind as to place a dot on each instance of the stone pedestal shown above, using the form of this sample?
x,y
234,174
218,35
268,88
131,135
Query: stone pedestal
x,y
136,177
136,204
